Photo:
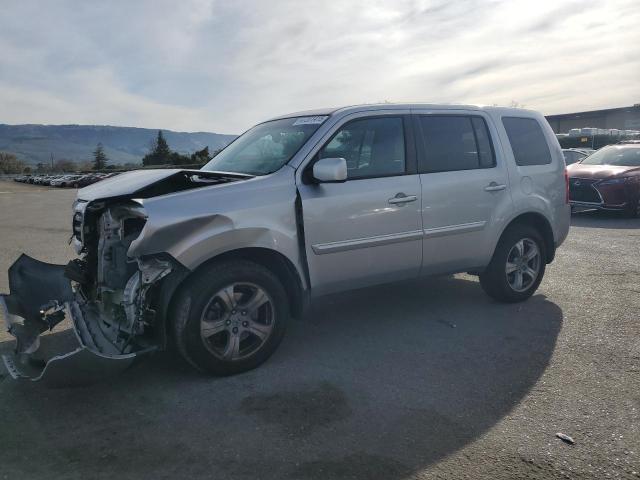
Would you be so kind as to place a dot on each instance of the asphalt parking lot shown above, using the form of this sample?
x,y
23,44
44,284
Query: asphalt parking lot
x,y
424,379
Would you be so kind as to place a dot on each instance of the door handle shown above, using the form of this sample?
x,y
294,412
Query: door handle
x,y
494,187
401,199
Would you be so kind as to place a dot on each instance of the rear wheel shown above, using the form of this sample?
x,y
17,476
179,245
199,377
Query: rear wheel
x,y
230,317
517,266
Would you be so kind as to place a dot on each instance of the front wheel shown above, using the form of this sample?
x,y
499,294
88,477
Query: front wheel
x,y
230,317
517,266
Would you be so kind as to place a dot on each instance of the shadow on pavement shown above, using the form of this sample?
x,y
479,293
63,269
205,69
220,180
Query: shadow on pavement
x,y
376,383
602,219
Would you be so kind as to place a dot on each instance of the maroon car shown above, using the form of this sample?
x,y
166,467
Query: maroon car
x,y
608,179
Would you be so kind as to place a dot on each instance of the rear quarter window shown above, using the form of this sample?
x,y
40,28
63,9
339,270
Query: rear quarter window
x,y
527,140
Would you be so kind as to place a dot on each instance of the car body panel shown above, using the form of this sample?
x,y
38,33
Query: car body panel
x,y
194,226
461,218
539,189
353,236
127,183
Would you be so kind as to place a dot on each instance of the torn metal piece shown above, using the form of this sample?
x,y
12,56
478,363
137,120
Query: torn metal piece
x,y
52,313
154,269
40,297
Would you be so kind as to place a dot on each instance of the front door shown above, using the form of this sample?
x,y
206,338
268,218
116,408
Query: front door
x,y
367,229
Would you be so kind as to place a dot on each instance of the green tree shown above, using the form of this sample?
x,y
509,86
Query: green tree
x,y
201,156
99,158
160,153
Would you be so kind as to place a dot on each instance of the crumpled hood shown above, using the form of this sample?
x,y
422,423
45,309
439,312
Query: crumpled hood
x,y
150,183
597,172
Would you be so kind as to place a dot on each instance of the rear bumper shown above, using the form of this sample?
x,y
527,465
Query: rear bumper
x,y
78,356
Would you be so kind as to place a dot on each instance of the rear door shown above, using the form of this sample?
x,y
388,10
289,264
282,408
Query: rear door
x,y
465,189
367,229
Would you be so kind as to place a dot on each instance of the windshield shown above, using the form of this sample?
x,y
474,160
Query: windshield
x,y
620,156
266,147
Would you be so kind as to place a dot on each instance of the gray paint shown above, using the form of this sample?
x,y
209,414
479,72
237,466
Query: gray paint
x,y
354,235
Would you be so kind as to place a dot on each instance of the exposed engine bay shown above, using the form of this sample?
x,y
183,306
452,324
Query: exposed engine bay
x,y
111,298
111,285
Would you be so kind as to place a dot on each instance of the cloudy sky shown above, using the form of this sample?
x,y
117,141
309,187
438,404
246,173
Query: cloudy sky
x,y
222,65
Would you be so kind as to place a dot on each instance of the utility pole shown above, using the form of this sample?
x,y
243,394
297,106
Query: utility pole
x,y
51,162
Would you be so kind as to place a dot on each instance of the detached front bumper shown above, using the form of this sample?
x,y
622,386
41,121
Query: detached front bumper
x,y
41,297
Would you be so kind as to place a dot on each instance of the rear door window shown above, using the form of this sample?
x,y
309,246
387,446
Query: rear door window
x,y
528,142
454,142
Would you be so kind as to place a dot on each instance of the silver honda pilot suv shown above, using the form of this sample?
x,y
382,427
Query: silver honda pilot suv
x,y
217,260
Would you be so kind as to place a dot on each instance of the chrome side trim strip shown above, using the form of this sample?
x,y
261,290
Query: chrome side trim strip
x,y
343,246
454,229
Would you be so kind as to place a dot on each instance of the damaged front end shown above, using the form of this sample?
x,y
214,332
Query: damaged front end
x,y
115,301
104,295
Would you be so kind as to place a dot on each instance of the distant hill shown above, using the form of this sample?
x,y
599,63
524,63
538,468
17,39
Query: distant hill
x,y
36,143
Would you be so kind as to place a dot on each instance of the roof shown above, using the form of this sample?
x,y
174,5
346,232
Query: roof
x,y
387,106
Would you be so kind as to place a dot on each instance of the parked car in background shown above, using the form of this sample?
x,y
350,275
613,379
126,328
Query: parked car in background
x,y
608,179
84,180
300,206
76,180
50,178
63,181
573,155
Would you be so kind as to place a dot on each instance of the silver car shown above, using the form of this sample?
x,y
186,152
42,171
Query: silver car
x,y
219,260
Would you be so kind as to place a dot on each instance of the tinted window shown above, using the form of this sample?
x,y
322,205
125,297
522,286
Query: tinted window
x,y
372,147
528,143
485,149
455,143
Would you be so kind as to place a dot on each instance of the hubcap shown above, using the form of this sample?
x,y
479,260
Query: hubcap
x,y
523,264
237,321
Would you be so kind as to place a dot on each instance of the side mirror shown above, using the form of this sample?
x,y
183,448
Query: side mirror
x,y
330,170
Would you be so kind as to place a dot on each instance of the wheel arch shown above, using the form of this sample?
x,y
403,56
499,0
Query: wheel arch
x,y
276,262
540,223
273,260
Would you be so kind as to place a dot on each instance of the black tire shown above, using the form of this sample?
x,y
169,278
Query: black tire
x,y
195,296
494,280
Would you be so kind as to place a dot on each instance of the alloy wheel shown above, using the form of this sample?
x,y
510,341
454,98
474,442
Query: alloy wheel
x,y
237,321
523,264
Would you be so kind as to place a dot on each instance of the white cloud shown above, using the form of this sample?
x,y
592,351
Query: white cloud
x,y
222,66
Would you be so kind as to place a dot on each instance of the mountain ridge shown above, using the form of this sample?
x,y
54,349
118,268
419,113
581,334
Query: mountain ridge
x,y
35,143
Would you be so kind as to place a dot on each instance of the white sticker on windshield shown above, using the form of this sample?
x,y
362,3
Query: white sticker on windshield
x,y
310,120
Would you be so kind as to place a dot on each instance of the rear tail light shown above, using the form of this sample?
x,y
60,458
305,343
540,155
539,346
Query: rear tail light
x,y
566,186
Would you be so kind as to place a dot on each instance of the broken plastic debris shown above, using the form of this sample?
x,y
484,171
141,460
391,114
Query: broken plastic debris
x,y
565,438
